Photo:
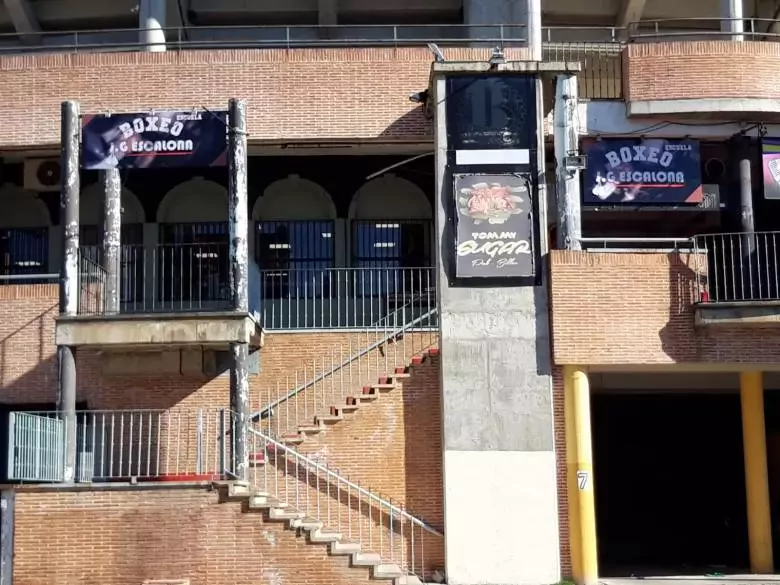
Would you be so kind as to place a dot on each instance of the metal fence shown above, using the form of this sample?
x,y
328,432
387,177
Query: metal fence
x,y
602,66
351,298
704,28
740,267
119,445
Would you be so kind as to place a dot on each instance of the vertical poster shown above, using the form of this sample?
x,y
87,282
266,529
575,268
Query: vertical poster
x,y
770,162
494,235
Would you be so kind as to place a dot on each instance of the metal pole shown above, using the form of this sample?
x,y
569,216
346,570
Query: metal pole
x,y
567,182
746,187
238,206
239,405
112,236
534,24
731,14
66,405
69,207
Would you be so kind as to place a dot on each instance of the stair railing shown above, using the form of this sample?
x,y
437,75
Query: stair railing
x,y
357,514
361,359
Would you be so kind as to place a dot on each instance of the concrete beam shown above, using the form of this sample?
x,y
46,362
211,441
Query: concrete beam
x,y
24,19
630,11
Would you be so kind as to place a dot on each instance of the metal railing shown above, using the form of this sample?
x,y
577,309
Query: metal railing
x,y
703,28
321,498
197,445
740,267
602,66
326,384
345,298
159,279
119,445
265,36
634,245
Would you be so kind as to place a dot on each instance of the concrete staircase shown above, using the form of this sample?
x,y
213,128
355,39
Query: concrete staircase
x,y
316,533
367,395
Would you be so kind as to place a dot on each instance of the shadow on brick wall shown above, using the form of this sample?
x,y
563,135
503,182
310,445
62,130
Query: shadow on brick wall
x,y
677,334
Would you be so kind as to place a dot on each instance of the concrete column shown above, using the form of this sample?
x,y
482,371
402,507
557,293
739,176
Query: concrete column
x,y
497,415
238,206
567,182
66,406
151,25
732,14
239,405
69,289
522,19
112,237
756,475
8,515
585,535
69,208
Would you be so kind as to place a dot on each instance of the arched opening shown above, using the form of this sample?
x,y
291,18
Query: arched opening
x,y
294,226
91,202
24,233
391,225
193,257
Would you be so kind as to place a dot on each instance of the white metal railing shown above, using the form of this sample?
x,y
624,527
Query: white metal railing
x,y
345,298
634,245
321,495
118,445
333,380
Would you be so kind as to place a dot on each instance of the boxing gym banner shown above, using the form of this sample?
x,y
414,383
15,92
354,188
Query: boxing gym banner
x,y
154,140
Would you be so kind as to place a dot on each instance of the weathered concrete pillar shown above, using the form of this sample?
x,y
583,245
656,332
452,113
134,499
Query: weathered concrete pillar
x,y
496,392
112,237
239,405
69,208
238,217
238,205
732,14
567,181
7,520
69,289
151,25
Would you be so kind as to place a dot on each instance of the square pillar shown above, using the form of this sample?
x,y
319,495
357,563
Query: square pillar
x,y
497,424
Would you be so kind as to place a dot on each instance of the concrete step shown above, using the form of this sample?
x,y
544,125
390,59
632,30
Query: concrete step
x,y
342,411
381,387
362,559
239,490
408,580
292,439
307,523
311,429
320,536
262,501
387,571
342,547
326,419
284,514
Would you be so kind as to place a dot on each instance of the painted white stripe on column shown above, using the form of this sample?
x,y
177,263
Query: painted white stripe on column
x,y
510,156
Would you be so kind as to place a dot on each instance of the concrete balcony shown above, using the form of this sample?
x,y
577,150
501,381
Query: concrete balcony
x,y
173,297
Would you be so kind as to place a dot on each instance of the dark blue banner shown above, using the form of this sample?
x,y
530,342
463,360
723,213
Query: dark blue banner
x,y
652,171
154,140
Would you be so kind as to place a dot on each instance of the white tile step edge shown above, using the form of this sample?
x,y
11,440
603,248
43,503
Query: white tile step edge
x,y
321,536
342,547
362,559
387,571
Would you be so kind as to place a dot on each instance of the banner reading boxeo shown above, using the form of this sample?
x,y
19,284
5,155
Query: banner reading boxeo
x,y
770,159
494,226
653,171
154,140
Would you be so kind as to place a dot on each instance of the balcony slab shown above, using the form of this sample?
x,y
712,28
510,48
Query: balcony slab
x,y
742,314
204,330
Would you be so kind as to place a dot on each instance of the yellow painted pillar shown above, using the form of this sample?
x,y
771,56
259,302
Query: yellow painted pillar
x,y
586,505
572,491
751,389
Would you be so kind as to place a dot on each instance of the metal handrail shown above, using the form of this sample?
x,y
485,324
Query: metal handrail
x,y
268,409
13,277
751,29
352,485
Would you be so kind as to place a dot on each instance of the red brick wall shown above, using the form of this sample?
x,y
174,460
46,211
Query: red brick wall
x,y
635,309
700,70
294,94
392,445
125,537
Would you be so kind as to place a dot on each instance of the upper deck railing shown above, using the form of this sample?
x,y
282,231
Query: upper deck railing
x,y
703,28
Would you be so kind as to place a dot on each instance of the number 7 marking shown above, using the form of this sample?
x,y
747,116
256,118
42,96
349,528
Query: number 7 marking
x,y
582,479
